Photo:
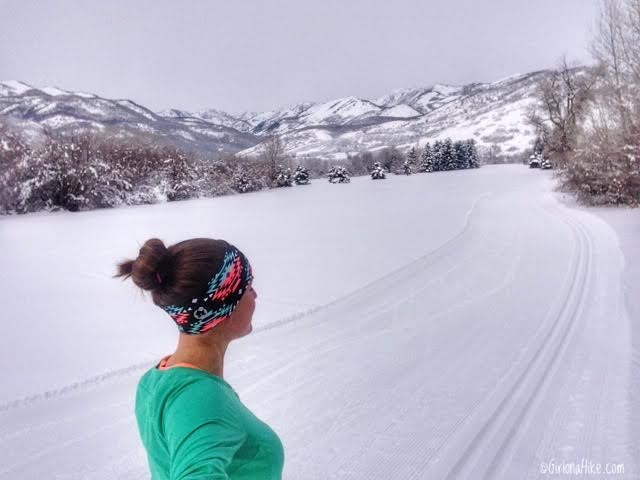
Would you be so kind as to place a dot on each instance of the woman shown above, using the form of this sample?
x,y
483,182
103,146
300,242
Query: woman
x,y
192,422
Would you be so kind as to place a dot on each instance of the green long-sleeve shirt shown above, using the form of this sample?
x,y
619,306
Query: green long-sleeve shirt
x,y
194,426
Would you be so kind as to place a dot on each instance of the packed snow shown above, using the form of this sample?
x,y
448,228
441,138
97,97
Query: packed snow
x,y
453,325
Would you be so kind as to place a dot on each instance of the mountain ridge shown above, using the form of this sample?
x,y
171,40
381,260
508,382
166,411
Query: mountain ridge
x,y
494,114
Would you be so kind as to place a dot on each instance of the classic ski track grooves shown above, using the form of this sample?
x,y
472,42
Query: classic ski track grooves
x,y
419,263
483,452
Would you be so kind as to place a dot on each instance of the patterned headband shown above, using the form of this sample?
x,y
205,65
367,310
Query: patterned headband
x,y
221,297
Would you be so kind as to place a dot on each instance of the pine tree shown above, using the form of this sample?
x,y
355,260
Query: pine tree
x,y
338,174
538,145
301,175
283,177
378,172
406,167
438,156
426,159
412,157
394,159
460,155
241,183
467,153
448,155
472,152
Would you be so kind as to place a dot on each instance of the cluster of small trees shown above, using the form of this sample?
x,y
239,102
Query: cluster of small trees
x,y
286,178
90,170
100,170
587,120
441,155
447,155
339,174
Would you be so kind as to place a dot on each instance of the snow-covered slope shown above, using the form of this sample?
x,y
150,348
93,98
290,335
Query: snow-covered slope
x,y
400,111
13,87
476,343
216,117
64,111
494,114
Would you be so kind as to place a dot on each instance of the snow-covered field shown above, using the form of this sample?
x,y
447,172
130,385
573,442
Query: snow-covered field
x,y
454,325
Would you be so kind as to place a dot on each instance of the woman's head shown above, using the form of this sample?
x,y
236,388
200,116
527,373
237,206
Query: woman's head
x,y
199,282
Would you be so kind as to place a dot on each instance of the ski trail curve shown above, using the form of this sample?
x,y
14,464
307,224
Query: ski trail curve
x,y
481,454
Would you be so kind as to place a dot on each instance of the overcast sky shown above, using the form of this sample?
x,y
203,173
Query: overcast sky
x,y
240,55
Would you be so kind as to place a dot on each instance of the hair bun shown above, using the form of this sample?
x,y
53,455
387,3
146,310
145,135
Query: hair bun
x,y
149,271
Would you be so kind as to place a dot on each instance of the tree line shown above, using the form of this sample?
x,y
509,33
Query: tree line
x,y
99,170
94,170
441,155
587,119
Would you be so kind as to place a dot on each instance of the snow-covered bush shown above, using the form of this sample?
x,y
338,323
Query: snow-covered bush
x,y
602,173
284,178
14,150
338,174
378,172
249,175
90,171
301,175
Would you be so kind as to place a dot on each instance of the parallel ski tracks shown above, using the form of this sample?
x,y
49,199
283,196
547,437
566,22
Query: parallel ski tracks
x,y
482,454
488,448
357,295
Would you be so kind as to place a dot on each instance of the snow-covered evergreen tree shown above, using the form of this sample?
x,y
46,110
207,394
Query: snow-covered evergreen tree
x,y
378,172
460,155
301,175
338,174
406,167
472,152
412,157
284,177
242,182
535,160
426,159
395,160
438,156
538,145
448,155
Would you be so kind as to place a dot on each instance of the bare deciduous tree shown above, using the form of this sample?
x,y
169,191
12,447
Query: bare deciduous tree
x,y
564,96
273,154
618,57
599,144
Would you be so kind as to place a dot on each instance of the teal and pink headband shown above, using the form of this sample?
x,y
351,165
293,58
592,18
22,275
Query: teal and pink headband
x,y
224,291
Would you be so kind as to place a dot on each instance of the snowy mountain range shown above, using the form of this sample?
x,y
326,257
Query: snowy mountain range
x,y
494,114
53,109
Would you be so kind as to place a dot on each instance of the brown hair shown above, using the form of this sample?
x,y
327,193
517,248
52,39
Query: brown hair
x,y
184,268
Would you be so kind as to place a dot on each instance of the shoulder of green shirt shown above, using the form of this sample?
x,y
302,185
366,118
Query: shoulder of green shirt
x,y
186,372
